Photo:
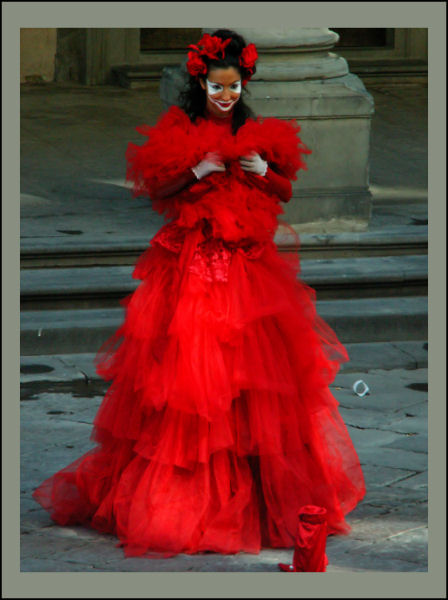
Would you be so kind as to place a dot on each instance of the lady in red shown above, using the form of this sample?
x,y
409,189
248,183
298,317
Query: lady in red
x,y
219,423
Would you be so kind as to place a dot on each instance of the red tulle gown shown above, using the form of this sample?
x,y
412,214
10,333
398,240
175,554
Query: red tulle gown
x,y
219,423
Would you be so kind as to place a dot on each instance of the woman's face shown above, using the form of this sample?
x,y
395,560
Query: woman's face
x,y
223,90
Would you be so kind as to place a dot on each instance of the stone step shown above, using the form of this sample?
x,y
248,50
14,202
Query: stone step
x,y
390,71
95,286
390,241
143,75
354,321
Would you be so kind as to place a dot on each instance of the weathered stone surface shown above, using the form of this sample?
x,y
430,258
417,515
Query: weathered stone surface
x,y
50,368
368,562
52,565
396,502
409,546
371,438
379,527
417,481
385,355
413,443
388,457
65,548
379,476
382,395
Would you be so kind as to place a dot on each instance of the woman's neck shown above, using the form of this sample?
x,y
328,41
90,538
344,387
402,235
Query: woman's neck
x,y
225,118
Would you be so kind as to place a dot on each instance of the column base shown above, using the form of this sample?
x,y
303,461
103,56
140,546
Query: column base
x,y
329,212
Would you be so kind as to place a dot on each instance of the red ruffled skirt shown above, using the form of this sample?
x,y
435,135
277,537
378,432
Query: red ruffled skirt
x,y
219,423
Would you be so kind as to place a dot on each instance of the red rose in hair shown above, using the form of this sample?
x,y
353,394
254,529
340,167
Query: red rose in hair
x,y
195,65
248,57
212,45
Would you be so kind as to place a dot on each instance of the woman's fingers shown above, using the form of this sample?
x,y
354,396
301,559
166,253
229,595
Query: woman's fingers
x,y
254,164
248,162
215,161
247,165
214,157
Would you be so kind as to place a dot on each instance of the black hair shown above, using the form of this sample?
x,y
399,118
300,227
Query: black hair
x,y
193,98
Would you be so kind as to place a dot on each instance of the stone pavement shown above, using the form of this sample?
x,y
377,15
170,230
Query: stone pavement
x,y
389,527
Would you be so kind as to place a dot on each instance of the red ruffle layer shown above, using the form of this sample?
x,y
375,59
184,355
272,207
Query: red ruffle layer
x,y
219,423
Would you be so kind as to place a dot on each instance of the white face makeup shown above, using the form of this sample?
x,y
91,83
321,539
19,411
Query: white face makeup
x,y
216,88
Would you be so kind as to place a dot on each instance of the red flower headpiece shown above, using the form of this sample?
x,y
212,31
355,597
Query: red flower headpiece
x,y
248,58
211,46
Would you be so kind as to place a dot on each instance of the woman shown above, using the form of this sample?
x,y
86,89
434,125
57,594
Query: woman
x,y
219,423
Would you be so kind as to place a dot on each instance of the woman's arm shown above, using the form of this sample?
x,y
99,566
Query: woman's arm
x,y
273,183
168,188
265,176
211,163
278,184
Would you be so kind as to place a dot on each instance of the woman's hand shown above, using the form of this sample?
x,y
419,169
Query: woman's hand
x,y
209,164
254,164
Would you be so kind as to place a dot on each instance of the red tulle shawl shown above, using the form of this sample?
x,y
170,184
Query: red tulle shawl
x,y
234,202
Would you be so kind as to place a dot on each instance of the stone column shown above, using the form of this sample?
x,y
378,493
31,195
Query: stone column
x,y
298,77
106,47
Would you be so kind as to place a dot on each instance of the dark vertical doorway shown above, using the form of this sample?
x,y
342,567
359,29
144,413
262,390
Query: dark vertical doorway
x,y
351,37
168,38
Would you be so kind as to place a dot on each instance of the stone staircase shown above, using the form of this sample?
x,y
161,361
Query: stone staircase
x,y
101,286
380,319
371,288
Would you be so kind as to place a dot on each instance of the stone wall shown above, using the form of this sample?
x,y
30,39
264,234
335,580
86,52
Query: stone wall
x,y
70,63
37,54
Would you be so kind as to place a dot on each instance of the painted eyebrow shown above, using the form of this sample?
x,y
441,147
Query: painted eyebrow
x,y
221,85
